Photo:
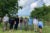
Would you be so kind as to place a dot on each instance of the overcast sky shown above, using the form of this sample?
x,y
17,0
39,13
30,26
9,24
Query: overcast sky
x,y
29,5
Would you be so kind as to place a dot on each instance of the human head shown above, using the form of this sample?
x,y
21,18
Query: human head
x,y
35,17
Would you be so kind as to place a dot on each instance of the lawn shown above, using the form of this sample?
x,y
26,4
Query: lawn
x,y
46,29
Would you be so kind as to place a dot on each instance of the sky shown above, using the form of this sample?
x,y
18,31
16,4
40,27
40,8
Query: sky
x,y
47,2
29,5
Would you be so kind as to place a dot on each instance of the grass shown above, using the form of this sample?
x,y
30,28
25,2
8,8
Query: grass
x,y
17,31
46,29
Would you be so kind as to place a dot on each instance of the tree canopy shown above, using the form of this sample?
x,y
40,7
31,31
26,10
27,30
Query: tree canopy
x,y
41,12
8,7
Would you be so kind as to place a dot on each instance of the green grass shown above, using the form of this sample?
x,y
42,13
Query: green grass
x,y
46,29
17,31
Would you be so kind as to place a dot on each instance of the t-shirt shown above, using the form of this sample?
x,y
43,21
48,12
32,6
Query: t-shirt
x,y
35,21
40,23
30,21
11,21
25,21
21,20
6,19
17,20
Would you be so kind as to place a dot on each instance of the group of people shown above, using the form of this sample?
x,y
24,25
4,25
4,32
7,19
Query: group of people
x,y
14,22
38,23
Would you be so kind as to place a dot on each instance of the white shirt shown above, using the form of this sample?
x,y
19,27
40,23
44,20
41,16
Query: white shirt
x,y
35,21
5,18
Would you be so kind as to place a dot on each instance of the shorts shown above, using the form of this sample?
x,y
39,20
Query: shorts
x,y
40,27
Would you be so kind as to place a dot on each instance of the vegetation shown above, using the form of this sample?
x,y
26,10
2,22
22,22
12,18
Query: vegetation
x,y
8,7
42,12
46,29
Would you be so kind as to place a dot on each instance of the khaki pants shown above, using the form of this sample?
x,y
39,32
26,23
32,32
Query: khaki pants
x,y
35,27
5,26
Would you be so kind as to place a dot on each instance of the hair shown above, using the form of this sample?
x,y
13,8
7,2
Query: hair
x,y
35,17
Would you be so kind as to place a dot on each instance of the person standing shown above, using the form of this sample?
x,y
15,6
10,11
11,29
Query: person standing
x,y
21,21
11,22
35,23
40,25
5,22
30,22
16,22
25,23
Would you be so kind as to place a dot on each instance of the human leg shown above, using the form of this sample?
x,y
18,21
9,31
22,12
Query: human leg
x,y
40,29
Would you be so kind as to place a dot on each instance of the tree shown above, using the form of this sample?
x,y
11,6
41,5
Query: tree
x,y
8,7
41,12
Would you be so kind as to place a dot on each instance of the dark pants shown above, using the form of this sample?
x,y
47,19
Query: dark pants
x,y
16,26
11,26
40,27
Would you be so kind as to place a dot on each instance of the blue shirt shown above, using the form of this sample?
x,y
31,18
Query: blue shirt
x,y
30,21
40,23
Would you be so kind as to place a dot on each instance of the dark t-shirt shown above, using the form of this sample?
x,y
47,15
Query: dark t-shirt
x,y
11,21
21,20
17,20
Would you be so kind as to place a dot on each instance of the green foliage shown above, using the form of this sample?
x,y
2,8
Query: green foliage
x,y
41,12
6,6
